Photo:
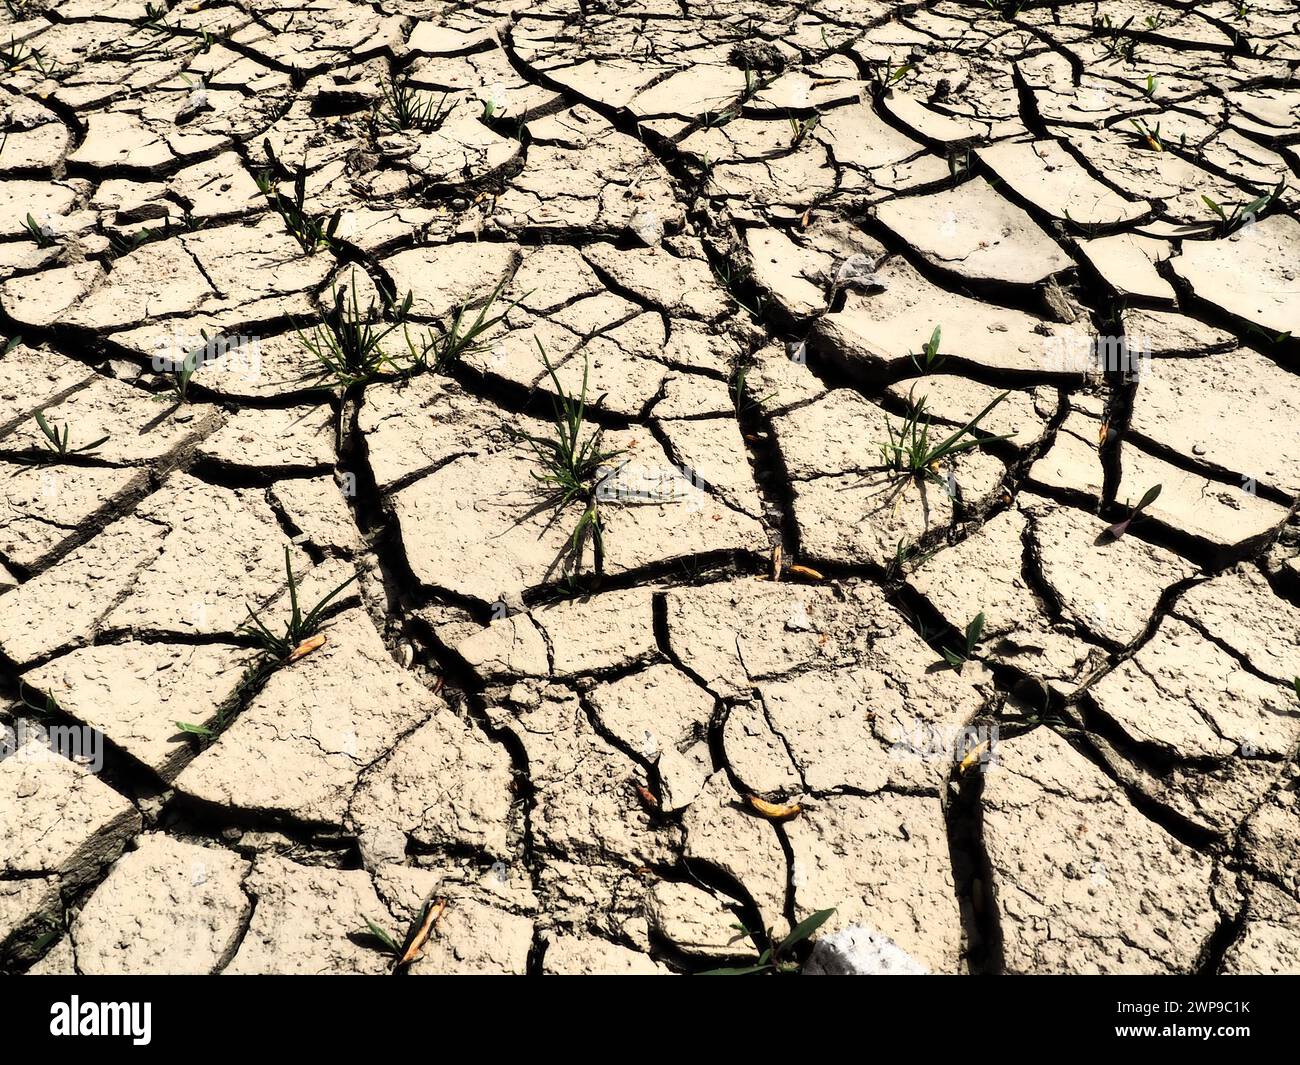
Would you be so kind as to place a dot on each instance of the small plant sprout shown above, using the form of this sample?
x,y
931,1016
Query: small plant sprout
x,y
13,57
311,232
910,453
189,366
746,401
1031,709
731,278
572,461
885,75
1118,43
1149,135
153,16
801,127
302,631
970,640
1121,527
777,960
929,360
1233,218
906,553
41,232
1090,228
406,107
1150,90
378,932
1008,9
349,346
494,105
60,442
441,353
755,83
126,243
45,707
416,937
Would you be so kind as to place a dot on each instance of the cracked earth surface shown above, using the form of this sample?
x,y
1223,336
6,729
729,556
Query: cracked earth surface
x,y
740,223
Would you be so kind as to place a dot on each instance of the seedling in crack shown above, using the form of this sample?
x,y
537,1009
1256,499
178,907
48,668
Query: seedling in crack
x,y
755,83
1008,9
910,453
907,553
441,353
801,127
971,638
1121,527
929,360
311,232
777,960
1150,136
153,16
406,107
379,933
572,461
1233,218
416,937
48,707
17,54
730,278
126,243
746,401
51,932
1250,48
301,629
190,365
1118,43
60,443
349,346
884,75
1271,339
42,234
254,674
1090,228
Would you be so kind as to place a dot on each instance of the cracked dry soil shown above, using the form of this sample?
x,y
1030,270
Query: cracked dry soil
x,y
740,224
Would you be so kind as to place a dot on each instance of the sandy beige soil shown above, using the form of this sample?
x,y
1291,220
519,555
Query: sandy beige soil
x,y
306,283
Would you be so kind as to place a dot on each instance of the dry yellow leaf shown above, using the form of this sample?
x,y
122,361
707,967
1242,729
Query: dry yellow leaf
x,y
973,756
774,811
431,916
307,647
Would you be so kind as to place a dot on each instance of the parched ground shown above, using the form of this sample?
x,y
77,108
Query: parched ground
x,y
766,238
